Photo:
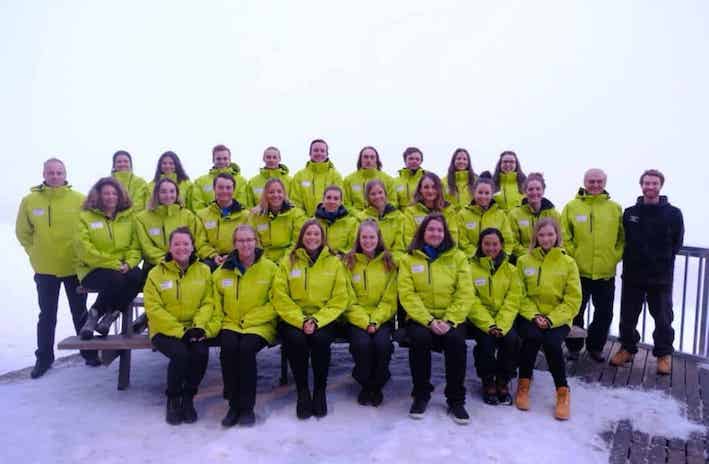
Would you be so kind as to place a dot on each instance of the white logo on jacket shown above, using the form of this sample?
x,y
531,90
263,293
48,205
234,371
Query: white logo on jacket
x,y
530,271
38,212
166,285
227,283
417,268
96,225
210,224
581,218
154,231
480,282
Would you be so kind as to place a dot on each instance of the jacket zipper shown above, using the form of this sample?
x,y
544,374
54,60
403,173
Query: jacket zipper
x,y
110,231
306,279
49,214
489,286
178,288
539,275
590,220
238,285
364,273
164,235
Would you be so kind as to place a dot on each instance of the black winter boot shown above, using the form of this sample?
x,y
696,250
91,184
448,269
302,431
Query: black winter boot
x,y
140,324
173,415
189,413
231,418
104,325
87,331
319,402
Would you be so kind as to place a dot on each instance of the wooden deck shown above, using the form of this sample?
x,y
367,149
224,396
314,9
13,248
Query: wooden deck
x,y
687,383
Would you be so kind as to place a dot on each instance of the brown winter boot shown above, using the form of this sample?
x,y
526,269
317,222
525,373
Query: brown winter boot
x,y
522,396
664,364
563,403
621,357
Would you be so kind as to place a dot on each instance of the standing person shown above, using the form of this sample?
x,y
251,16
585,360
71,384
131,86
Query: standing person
x,y
203,188
654,232
220,219
136,186
247,319
169,166
372,278
460,179
551,292
434,289
272,169
369,167
482,212
409,176
499,292
339,224
276,220
310,293
509,179
107,253
388,217
593,235
178,302
45,226
428,199
533,208
309,183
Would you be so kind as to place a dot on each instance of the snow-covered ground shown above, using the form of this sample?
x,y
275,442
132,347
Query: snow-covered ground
x,y
75,414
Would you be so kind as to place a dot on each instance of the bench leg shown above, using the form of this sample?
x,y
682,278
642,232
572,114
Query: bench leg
x,y
124,370
284,366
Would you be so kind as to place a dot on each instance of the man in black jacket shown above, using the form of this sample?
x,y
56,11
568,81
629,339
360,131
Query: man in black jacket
x,y
654,231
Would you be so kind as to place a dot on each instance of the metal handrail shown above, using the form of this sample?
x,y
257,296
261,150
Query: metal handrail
x,y
692,325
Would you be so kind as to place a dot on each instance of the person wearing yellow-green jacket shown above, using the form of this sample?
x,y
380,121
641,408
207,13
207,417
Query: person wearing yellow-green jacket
x,y
434,290
533,208
107,254
499,290
272,169
45,226
309,294
372,282
203,188
339,224
460,179
390,219
592,226
481,213
408,179
136,186
247,319
369,167
429,199
509,179
550,300
309,183
220,219
276,220
165,214
179,305
170,167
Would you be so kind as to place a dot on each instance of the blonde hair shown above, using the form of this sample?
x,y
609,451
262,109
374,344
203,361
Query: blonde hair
x,y
544,222
263,201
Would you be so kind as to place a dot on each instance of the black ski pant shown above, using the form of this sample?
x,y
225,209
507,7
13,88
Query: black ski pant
x,y
300,348
602,293
495,356
188,363
48,288
550,340
454,349
238,360
371,353
659,303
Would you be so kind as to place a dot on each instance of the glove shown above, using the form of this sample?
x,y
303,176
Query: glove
x,y
194,334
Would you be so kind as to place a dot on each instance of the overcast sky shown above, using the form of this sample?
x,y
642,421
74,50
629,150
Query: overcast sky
x,y
568,85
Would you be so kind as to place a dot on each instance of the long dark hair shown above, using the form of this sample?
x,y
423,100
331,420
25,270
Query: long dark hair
x,y
93,199
154,201
440,201
299,243
349,258
518,169
418,242
485,232
359,157
452,187
370,185
179,170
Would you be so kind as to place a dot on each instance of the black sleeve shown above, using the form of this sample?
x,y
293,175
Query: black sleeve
x,y
678,231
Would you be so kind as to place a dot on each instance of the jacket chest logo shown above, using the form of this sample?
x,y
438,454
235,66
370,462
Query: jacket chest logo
x,y
417,268
258,190
305,183
419,219
581,218
38,212
226,283
261,227
207,188
356,278
357,188
210,224
471,225
154,231
295,273
166,285
530,271
523,223
96,225
399,188
480,282
635,219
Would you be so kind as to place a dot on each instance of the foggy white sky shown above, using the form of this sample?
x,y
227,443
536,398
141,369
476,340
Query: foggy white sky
x,y
568,85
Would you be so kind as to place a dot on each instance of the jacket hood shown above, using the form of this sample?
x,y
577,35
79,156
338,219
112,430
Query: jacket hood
x,y
492,264
233,261
663,201
406,172
553,253
47,189
234,208
232,169
282,169
472,206
321,213
546,204
584,195
323,166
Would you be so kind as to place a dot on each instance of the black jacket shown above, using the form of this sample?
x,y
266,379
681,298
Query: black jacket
x,y
653,236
